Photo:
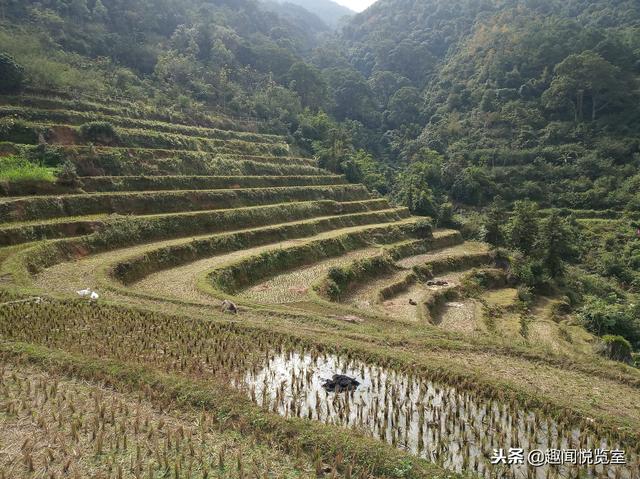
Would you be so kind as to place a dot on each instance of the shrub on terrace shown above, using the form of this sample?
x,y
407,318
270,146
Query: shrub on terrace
x,y
616,348
11,74
611,316
17,131
68,176
99,132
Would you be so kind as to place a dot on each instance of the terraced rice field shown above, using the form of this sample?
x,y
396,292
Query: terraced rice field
x,y
294,286
399,294
153,380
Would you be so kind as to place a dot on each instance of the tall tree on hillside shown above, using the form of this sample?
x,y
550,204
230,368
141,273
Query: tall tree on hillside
x,y
100,12
385,83
404,107
352,96
523,226
583,77
418,186
306,80
494,229
361,167
11,74
556,244
79,9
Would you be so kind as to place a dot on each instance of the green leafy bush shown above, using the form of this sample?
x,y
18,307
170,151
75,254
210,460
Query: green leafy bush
x,y
361,167
46,155
68,176
99,132
616,348
525,294
529,271
11,74
17,131
15,169
332,290
424,228
611,317
337,274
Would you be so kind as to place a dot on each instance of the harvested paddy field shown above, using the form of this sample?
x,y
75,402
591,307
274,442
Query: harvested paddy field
x,y
56,426
460,316
463,249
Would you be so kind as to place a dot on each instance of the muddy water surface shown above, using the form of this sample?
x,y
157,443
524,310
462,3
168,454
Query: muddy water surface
x,y
456,429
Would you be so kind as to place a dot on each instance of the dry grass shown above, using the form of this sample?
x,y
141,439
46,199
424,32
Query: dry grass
x,y
183,282
460,316
501,298
55,427
180,282
559,334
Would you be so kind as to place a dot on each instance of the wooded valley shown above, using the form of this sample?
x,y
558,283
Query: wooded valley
x,y
208,208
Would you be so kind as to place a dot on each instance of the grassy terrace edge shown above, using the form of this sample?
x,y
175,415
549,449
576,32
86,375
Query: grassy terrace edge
x,y
112,184
114,161
52,100
136,268
55,133
33,259
233,277
44,207
76,118
344,279
188,223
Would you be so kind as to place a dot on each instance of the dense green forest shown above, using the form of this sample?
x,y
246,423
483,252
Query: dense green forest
x,y
468,111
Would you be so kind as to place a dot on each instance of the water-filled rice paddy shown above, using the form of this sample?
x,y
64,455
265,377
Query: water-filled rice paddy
x,y
455,428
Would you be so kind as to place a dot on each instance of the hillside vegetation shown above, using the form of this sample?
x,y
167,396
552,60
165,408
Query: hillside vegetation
x,y
207,210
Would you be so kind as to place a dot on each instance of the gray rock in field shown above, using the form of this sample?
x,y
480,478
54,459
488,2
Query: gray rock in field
x,y
229,307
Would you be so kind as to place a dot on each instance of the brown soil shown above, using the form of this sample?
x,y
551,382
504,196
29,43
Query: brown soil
x,y
62,135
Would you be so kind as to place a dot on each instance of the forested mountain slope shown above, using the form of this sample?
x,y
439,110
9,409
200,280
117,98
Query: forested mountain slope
x,y
331,13
300,16
500,83
229,55
494,108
